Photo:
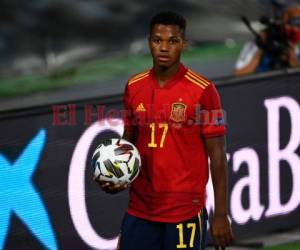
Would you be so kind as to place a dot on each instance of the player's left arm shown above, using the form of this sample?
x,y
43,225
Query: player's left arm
x,y
220,227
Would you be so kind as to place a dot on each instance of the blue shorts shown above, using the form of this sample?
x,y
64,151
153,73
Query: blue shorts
x,y
140,234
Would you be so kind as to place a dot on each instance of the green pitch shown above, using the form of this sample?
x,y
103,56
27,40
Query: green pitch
x,y
289,246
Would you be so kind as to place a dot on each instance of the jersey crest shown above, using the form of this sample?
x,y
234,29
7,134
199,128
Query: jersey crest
x,y
178,112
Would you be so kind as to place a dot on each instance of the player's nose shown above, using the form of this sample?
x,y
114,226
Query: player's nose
x,y
164,46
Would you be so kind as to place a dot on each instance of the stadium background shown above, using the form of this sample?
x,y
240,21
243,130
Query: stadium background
x,y
78,53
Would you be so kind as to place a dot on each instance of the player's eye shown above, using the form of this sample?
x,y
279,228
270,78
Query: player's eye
x,y
173,41
156,40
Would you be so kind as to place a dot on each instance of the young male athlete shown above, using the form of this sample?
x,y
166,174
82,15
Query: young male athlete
x,y
174,119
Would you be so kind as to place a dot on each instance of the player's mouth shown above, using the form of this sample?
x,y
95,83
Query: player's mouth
x,y
163,58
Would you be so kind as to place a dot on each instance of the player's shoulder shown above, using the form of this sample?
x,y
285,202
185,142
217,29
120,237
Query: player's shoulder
x,y
197,80
139,77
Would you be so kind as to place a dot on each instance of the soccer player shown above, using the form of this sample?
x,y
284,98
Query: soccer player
x,y
173,116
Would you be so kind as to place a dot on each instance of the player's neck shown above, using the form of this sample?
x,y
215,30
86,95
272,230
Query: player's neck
x,y
163,74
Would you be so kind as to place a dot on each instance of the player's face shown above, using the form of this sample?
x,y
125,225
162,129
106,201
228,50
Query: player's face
x,y
166,44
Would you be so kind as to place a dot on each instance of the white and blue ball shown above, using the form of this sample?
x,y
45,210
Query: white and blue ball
x,y
117,161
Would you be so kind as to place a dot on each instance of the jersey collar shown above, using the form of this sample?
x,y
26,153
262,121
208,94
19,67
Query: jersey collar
x,y
173,80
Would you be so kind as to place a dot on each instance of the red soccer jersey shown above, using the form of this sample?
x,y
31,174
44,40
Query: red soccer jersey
x,y
172,122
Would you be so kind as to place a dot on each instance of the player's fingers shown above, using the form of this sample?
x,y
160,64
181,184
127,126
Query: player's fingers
x,y
106,185
220,239
219,248
112,188
115,188
105,182
229,238
102,183
122,187
226,240
222,242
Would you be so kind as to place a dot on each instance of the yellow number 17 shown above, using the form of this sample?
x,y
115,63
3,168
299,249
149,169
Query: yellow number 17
x,y
152,143
181,244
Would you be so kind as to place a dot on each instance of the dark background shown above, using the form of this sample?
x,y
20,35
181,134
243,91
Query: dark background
x,y
36,35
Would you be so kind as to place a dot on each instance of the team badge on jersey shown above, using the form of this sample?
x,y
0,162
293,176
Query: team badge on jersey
x,y
178,112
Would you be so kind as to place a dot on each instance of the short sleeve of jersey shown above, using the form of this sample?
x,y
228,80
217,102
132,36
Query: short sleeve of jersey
x,y
213,120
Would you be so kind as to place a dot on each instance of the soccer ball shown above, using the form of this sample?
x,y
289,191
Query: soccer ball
x,y
117,161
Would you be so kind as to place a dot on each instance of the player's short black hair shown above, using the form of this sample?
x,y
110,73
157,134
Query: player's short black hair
x,y
169,18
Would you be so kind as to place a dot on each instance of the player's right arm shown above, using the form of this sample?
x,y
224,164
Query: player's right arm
x,y
129,134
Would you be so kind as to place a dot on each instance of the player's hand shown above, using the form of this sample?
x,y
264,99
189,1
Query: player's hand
x,y
221,231
110,187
